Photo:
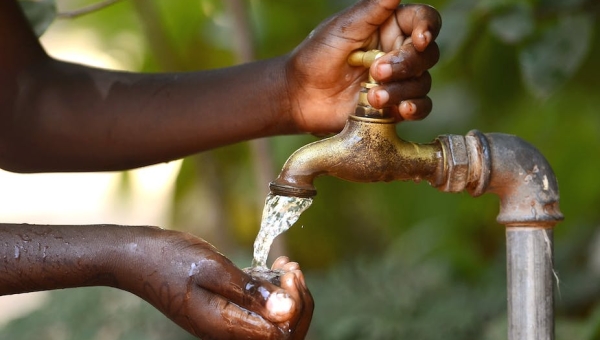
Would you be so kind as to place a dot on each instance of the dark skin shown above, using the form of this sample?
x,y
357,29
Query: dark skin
x,y
58,116
178,273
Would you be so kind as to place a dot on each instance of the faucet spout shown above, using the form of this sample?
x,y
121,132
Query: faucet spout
x,y
367,150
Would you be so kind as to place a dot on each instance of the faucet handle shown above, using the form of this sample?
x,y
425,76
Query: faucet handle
x,y
364,58
363,107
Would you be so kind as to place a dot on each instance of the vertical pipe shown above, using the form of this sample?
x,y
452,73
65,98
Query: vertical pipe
x,y
519,174
530,283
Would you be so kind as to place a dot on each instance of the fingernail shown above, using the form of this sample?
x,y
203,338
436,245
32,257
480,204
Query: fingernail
x,y
426,38
279,304
408,108
384,71
382,96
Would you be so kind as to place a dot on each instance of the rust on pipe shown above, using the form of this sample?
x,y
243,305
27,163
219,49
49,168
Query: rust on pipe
x,y
519,174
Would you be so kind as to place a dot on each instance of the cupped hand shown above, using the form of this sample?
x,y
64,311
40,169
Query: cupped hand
x,y
206,294
323,88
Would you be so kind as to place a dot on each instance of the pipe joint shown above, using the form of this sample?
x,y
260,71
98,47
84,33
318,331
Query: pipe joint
x,y
507,166
457,162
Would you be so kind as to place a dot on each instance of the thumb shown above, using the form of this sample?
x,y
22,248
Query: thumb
x,y
360,21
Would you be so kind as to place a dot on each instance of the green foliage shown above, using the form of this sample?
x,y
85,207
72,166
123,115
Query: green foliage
x,y
409,292
552,38
554,56
94,313
395,260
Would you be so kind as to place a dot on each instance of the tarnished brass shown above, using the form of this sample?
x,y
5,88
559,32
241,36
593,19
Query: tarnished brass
x,y
364,58
363,108
367,150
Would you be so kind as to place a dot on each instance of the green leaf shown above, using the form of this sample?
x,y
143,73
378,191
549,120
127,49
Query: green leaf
x,y
550,60
562,4
495,5
40,13
513,24
456,27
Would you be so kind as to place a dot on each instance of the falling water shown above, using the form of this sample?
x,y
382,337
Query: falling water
x,y
279,214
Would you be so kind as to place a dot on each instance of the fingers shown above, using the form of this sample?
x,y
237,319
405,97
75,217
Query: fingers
x,y
280,262
415,109
236,305
387,94
407,98
218,275
411,109
421,22
405,81
363,19
294,283
356,27
217,318
404,63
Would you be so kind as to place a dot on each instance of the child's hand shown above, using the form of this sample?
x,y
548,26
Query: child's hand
x,y
322,87
206,294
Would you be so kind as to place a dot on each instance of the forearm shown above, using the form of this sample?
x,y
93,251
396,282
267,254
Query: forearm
x,y
67,117
41,257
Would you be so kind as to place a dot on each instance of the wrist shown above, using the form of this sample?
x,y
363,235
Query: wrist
x,y
136,257
281,102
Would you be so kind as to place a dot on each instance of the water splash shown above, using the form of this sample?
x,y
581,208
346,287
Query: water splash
x,y
279,214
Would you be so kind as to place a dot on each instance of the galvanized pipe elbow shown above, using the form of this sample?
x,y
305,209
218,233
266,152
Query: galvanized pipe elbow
x,y
509,167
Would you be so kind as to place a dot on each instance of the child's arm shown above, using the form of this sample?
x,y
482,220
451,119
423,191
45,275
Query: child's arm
x,y
181,275
57,116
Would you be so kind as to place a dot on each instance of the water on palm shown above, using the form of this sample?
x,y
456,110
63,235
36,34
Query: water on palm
x,y
279,214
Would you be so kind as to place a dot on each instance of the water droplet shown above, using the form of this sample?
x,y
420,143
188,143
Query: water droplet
x,y
194,269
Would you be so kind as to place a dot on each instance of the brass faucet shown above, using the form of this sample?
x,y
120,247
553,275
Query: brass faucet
x,y
367,150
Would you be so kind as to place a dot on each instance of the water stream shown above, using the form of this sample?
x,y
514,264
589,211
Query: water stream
x,y
279,214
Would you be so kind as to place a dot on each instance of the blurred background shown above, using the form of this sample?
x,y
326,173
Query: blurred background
x,y
383,261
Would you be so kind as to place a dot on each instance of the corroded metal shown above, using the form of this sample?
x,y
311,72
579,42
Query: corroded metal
x,y
363,107
457,162
367,150
509,167
524,181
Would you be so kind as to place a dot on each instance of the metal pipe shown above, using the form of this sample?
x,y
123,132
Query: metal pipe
x,y
368,150
529,208
519,174
530,285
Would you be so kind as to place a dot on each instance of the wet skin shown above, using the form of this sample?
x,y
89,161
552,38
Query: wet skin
x,y
181,275
58,116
